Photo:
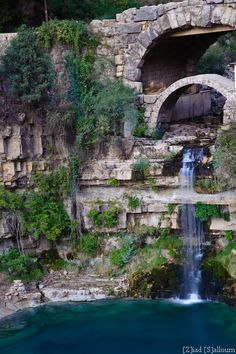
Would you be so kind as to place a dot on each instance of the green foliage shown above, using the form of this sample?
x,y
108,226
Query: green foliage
x,y
70,32
29,73
158,133
228,235
207,185
107,218
164,232
121,256
45,216
133,202
113,182
152,184
140,168
207,211
41,213
103,110
10,201
144,230
212,61
225,158
171,208
52,260
102,106
20,266
90,244
141,127
61,118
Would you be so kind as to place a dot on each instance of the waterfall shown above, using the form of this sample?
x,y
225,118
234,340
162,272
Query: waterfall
x,y
192,228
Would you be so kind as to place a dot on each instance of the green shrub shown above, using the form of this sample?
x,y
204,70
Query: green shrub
x,y
228,235
90,244
140,168
29,73
158,133
171,208
141,127
144,230
133,202
207,211
212,61
208,185
51,259
121,256
164,232
41,213
20,266
113,182
107,218
104,110
70,32
225,158
152,184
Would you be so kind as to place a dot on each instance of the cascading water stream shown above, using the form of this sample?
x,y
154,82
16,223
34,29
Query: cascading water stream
x,y
192,228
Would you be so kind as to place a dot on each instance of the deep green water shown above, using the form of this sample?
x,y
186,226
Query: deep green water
x,y
118,327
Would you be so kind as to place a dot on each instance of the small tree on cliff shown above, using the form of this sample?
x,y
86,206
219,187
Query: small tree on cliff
x,y
27,69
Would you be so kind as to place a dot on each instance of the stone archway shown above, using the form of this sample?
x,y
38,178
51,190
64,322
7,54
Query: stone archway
x,y
185,18
165,102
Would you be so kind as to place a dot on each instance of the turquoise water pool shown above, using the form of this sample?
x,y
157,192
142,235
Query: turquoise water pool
x,y
120,327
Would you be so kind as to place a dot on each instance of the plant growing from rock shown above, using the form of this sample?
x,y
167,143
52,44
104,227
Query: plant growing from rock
x,y
89,244
121,256
20,266
141,127
113,182
228,235
206,211
29,73
207,185
225,158
171,208
140,168
107,218
133,202
152,184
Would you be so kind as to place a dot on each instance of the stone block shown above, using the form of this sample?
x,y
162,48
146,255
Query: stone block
x,y
2,151
181,19
137,50
150,99
164,23
205,18
119,68
146,13
131,73
8,170
214,1
137,86
146,38
226,15
128,28
14,148
217,14
160,10
119,59
172,19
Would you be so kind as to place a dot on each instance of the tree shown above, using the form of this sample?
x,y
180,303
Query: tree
x,y
27,69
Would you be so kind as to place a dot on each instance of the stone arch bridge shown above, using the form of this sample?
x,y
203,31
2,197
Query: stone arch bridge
x,y
155,47
165,102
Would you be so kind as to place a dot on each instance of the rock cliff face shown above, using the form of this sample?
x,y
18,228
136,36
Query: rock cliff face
x,y
112,176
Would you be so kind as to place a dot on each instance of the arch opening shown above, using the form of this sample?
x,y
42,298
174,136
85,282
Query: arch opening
x,y
205,106
175,55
